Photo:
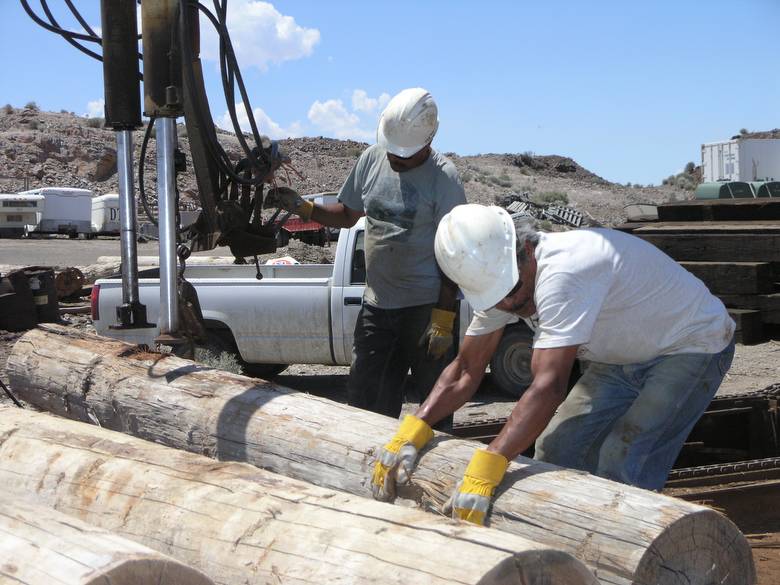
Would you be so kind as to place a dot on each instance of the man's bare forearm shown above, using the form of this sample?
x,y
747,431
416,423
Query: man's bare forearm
x,y
532,413
459,380
336,215
452,390
528,419
448,294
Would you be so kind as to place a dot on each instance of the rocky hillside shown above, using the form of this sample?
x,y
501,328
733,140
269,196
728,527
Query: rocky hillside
x,y
61,149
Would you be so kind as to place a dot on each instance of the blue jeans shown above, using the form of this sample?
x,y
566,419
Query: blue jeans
x,y
628,423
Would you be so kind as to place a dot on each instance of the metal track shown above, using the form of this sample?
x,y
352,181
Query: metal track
x,y
744,409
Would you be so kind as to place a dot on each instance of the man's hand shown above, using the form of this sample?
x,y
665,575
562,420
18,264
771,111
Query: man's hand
x,y
471,499
439,333
396,460
289,200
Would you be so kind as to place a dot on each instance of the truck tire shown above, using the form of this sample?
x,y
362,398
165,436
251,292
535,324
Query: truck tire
x,y
221,352
264,371
510,366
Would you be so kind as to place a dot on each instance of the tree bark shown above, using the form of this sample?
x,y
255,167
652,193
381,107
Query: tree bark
x,y
240,524
40,546
627,535
149,261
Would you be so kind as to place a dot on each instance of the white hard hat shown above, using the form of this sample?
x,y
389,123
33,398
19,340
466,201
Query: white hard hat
x,y
408,123
475,248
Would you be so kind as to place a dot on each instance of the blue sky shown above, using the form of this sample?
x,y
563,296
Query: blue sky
x,y
630,90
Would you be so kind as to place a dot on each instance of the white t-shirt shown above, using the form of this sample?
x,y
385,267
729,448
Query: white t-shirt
x,y
620,299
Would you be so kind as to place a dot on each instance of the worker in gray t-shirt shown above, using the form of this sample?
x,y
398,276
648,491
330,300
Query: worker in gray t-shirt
x,y
404,188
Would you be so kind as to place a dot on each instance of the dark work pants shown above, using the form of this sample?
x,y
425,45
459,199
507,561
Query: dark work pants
x,y
387,345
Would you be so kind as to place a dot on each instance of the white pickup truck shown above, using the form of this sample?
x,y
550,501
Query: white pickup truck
x,y
296,314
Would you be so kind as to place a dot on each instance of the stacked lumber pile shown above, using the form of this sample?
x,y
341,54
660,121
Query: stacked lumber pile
x,y
733,246
625,535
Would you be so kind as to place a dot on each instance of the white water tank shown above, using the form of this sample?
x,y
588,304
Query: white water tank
x,y
65,211
105,214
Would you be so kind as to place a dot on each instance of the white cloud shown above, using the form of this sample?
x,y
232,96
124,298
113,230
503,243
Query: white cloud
x,y
362,103
333,119
96,109
261,35
264,124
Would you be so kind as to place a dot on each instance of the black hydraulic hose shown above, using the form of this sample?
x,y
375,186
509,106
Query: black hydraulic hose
x,y
231,68
56,29
69,36
74,11
141,164
215,148
10,395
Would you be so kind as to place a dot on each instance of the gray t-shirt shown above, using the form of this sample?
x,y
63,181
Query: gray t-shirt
x,y
402,213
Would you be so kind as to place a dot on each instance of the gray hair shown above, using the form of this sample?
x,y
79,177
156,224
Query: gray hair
x,y
525,231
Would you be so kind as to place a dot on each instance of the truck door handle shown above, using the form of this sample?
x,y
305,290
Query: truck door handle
x,y
353,300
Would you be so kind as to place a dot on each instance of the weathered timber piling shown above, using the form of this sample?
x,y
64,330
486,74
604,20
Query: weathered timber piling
x,y
240,524
627,535
40,546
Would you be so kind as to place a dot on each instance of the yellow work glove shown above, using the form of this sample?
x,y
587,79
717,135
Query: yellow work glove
x,y
471,499
289,200
439,333
395,461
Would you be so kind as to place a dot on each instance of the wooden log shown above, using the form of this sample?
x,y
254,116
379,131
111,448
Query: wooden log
x,y
710,227
733,277
240,524
147,261
750,329
40,546
68,282
717,248
626,534
769,305
720,210
99,270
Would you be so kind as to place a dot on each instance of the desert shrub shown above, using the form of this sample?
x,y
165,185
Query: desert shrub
x,y
501,181
33,124
743,131
683,181
689,168
548,197
31,106
545,225
95,122
466,176
8,109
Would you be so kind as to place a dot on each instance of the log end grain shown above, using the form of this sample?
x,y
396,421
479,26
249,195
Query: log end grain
x,y
698,549
541,566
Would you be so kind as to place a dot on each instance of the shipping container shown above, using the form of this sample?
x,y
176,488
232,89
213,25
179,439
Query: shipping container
x,y
741,159
65,211
19,214
105,215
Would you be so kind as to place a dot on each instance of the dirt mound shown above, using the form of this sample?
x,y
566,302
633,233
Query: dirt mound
x,y
39,149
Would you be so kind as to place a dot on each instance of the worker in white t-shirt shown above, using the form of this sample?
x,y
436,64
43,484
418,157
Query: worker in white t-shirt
x,y
655,341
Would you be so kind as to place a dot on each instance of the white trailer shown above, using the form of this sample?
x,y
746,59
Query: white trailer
x,y
105,215
66,211
741,159
19,214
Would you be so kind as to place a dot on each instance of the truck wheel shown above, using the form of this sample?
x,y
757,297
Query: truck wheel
x,y
510,367
221,352
264,371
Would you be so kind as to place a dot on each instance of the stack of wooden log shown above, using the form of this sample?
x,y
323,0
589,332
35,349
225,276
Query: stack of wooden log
x,y
239,524
733,245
